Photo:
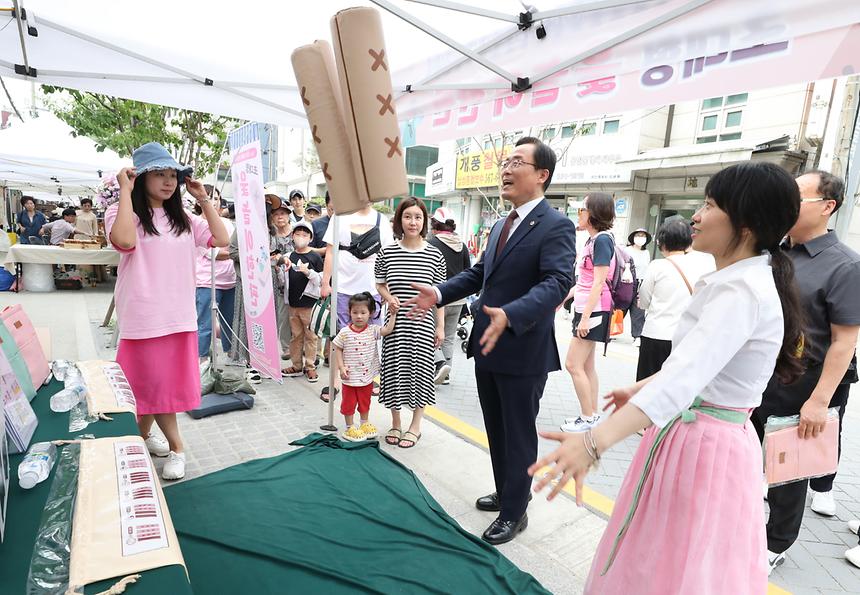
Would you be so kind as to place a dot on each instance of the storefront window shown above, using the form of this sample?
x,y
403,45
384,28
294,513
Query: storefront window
x,y
610,126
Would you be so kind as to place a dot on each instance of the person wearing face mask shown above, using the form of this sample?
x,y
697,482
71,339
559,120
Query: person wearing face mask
x,y
280,244
637,247
302,275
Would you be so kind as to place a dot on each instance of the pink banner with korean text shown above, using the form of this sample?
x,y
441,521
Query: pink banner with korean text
x,y
252,234
644,73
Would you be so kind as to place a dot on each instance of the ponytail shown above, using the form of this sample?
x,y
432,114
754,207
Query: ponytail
x,y
789,363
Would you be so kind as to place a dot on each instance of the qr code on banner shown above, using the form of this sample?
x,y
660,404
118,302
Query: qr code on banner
x,y
257,337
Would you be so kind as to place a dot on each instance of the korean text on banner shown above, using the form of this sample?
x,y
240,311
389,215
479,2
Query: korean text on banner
x,y
477,170
253,238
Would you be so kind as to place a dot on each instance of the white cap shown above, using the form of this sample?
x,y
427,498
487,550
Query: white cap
x,y
442,215
28,479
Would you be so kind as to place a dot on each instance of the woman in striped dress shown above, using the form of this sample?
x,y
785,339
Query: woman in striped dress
x,y
407,353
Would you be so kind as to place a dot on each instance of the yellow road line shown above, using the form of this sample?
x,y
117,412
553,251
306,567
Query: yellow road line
x,y
590,498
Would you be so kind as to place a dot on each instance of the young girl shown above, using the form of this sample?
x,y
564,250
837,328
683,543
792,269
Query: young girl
x,y
357,361
592,305
407,355
689,517
155,292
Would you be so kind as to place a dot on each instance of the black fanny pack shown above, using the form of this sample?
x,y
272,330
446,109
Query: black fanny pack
x,y
367,244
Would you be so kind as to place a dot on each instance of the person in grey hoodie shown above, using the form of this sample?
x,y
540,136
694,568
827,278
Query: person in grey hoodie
x,y
457,259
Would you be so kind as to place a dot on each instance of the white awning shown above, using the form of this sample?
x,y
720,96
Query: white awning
x,y
721,153
458,70
42,155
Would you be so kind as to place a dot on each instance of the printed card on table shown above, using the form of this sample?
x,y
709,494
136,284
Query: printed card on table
x,y
141,517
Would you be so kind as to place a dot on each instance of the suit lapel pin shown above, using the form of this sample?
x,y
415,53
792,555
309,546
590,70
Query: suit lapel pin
x,y
531,223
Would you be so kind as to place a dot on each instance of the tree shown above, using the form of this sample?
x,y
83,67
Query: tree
x,y
122,125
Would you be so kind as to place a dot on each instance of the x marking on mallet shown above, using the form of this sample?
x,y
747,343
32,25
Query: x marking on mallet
x,y
386,104
394,146
378,60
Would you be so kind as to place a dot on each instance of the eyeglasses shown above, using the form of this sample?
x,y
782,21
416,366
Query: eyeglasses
x,y
816,199
514,163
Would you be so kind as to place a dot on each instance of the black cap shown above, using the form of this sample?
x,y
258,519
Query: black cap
x,y
296,193
314,207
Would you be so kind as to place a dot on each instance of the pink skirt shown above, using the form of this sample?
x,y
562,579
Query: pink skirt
x,y
699,527
163,372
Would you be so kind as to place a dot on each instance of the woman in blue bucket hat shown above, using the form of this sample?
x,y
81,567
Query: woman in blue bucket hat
x,y
155,291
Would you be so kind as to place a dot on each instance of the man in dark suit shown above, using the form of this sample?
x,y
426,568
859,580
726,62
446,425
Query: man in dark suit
x,y
525,273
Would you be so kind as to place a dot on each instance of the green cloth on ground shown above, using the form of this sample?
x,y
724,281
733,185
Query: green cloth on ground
x,y
25,506
333,518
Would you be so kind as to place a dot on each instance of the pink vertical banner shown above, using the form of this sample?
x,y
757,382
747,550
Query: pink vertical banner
x,y
253,235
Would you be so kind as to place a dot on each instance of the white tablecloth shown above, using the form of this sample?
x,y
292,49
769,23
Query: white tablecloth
x,y
26,253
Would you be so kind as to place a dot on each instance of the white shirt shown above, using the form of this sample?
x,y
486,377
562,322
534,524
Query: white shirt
x,y
641,258
354,275
664,295
725,346
523,211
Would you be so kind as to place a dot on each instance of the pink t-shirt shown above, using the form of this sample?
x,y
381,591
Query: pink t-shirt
x,y
155,286
585,280
225,272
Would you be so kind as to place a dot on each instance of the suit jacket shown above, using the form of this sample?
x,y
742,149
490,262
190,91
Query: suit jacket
x,y
529,279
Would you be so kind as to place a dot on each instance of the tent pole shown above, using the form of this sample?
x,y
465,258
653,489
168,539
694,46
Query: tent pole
x,y
332,323
460,60
17,6
213,253
465,8
451,43
580,8
618,39
191,76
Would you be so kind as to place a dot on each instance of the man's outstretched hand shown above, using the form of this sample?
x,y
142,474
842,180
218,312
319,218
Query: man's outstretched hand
x,y
498,324
418,306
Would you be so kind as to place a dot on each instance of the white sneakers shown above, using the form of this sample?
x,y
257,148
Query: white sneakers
x,y
774,560
174,468
442,372
157,446
853,555
579,423
823,503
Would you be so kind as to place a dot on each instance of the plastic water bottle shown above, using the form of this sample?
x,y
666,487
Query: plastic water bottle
x,y
67,398
73,377
37,465
59,367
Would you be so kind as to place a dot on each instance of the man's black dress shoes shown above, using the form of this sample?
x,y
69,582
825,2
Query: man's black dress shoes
x,y
491,502
504,531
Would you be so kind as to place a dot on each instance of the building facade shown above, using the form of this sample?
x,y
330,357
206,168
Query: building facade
x,y
657,162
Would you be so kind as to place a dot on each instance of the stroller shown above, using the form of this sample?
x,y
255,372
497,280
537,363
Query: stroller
x,y
464,324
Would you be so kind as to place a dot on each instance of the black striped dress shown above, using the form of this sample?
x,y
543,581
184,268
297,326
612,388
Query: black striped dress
x,y
407,353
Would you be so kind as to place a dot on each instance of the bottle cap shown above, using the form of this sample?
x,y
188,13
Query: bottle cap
x,y
28,480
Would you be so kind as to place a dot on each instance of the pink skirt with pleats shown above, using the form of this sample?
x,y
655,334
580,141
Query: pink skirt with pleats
x,y
699,527
163,372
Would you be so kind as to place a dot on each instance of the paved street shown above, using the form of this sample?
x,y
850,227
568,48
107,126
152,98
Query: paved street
x,y
815,564
559,544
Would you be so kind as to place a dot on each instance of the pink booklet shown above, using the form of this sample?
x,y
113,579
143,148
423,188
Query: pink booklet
x,y
788,457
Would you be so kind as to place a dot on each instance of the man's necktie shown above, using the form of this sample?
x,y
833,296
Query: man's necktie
x,y
506,231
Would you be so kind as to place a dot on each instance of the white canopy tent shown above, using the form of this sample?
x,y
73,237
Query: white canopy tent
x,y
485,66
41,155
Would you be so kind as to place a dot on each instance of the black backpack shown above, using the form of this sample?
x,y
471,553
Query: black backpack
x,y
367,244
